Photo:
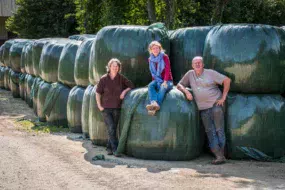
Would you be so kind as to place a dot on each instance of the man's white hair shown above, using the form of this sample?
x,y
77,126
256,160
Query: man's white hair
x,y
197,58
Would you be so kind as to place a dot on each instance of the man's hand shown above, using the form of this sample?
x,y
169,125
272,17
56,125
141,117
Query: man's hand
x,y
189,95
220,102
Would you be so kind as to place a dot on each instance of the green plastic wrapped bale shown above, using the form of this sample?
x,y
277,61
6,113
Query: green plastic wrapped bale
x,y
55,108
255,123
74,109
28,59
14,83
130,45
2,74
185,44
6,78
67,62
85,111
22,85
174,133
252,55
81,69
15,54
29,83
6,51
81,37
1,55
49,60
36,54
43,90
34,93
97,128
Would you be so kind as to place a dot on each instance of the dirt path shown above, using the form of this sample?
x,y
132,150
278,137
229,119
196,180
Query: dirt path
x,y
64,161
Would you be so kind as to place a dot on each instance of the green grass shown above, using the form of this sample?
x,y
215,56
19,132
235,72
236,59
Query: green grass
x,y
39,127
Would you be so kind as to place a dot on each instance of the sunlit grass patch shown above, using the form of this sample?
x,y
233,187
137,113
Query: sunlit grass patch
x,y
39,127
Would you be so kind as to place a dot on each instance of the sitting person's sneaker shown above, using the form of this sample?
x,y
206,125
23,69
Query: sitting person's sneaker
x,y
151,112
149,107
155,105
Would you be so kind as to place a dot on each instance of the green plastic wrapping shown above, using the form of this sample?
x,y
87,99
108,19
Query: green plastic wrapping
x,y
82,37
1,55
85,111
97,128
255,122
22,85
16,52
174,133
81,68
90,68
252,55
185,44
36,54
43,90
49,60
34,93
14,83
74,109
29,83
55,108
2,76
130,45
6,51
28,59
6,78
67,62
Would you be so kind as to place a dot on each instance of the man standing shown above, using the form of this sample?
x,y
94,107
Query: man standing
x,y
210,101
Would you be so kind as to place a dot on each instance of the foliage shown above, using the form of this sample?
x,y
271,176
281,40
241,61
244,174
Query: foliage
x,y
38,19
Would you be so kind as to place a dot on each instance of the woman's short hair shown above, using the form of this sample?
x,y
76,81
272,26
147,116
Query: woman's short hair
x,y
155,43
110,63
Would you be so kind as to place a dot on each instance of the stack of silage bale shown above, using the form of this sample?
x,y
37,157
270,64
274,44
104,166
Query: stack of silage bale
x,y
15,55
6,60
53,104
30,75
253,56
1,68
76,105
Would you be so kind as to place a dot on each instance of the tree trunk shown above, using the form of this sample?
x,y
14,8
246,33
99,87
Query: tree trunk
x,y
170,13
151,11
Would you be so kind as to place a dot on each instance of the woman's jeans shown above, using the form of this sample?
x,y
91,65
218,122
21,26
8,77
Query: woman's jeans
x,y
157,92
111,118
213,120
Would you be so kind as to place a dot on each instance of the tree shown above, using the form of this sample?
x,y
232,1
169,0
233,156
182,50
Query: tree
x,y
38,19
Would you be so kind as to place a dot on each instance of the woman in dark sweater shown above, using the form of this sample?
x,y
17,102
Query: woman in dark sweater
x,y
110,92
162,81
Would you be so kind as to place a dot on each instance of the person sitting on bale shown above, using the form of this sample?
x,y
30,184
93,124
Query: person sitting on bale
x,y
210,101
111,90
162,81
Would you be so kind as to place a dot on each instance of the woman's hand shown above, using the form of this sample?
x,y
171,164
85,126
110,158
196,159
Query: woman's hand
x,y
100,108
164,84
122,95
